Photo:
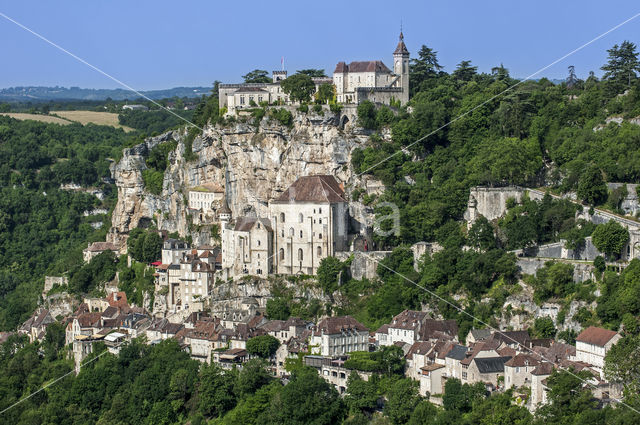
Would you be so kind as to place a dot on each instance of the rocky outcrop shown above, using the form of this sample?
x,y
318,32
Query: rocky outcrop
x,y
252,164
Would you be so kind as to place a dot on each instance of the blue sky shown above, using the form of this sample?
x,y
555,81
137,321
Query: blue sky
x,y
161,44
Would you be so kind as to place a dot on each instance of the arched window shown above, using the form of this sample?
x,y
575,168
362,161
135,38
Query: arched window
x,y
300,233
319,249
319,221
300,254
290,231
282,217
300,218
319,235
282,233
258,242
319,210
282,253
258,228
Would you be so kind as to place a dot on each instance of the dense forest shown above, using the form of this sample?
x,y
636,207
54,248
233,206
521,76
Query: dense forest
x,y
536,134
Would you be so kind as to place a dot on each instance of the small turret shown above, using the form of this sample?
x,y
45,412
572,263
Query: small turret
x,y
225,212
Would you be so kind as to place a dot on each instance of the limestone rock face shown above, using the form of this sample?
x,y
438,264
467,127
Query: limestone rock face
x,y
253,165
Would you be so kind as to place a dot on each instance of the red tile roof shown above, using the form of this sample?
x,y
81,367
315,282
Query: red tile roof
x,y
335,325
596,336
362,66
318,188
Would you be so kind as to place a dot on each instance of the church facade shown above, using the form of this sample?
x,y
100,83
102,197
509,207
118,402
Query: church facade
x,y
308,222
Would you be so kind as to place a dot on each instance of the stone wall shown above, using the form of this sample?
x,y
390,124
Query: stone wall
x,y
581,271
492,201
364,264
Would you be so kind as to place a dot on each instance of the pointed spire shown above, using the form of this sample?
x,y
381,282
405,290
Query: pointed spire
x,y
401,49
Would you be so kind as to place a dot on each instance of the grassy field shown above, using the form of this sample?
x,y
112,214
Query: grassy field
x,y
36,117
100,118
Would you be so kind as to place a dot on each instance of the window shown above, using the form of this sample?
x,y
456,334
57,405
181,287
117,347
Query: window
x,y
319,235
319,249
258,228
258,245
291,231
282,233
282,253
319,210
242,100
300,233
314,210
300,254
319,221
300,218
282,217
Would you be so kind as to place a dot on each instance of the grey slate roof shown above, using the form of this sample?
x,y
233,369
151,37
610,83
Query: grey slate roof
x,y
457,352
491,364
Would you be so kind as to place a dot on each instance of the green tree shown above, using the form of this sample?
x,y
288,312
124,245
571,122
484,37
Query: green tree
x,y
326,93
299,87
481,234
543,327
367,115
402,399
252,377
216,393
591,187
257,76
464,71
330,272
278,308
361,396
610,238
264,346
307,398
622,66
622,365
312,72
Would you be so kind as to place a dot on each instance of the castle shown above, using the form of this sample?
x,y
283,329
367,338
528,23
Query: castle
x,y
308,222
354,83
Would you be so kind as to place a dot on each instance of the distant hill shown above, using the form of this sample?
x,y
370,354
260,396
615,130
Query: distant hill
x,y
38,94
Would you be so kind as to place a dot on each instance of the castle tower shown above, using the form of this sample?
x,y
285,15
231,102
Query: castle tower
x,y
401,68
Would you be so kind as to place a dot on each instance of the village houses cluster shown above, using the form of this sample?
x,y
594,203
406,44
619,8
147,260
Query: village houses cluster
x,y
306,223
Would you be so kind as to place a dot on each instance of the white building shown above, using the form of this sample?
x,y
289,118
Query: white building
x,y
173,250
373,81
308,222
593,344
517,371
337,336
205,200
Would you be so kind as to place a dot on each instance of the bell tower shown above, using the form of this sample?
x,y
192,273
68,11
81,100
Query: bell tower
x,y
401,68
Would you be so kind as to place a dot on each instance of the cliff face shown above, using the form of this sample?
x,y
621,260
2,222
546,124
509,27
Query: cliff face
x,y
253,167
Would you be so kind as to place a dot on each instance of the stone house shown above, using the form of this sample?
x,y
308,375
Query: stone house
x,y
173,250
487,369
453,368
204,201
96,248
538,389
337,336
517,371
247,246
85,324
162,329
592,345
430,379
36,326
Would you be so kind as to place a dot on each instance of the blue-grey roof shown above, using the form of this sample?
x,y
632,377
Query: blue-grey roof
x,y
491,364
458,352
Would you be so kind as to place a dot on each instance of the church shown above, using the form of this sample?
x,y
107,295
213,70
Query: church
x,y
308,222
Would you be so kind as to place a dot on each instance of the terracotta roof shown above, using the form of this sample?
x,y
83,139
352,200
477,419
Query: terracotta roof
x,y
101,246
544,368
596,336
431,326
507,351
273,325
420,348
522,360
512,337
335,325
118,299
244,224
362,66
384,329
89,320
408,319
318,188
